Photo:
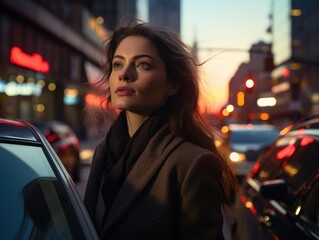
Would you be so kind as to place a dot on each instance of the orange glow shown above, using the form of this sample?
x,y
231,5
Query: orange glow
x,y
264,116
240,99
34,62
94,100
248,204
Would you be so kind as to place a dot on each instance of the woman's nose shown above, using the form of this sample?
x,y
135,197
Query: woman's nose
x,y
127,74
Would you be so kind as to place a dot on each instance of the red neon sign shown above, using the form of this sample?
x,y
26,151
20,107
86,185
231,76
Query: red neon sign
x,y
34,62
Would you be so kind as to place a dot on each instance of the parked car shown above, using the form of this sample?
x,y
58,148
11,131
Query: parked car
x,y
65,143
38,198
245,142
279,198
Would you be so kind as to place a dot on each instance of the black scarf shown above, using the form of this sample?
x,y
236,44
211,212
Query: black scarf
x,y
122,151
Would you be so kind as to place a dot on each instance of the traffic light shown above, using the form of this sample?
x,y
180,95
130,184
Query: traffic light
x,y
249,84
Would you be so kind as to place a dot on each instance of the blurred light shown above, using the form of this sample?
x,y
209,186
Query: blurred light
x,y
306,141
23,89
295,66
281,87
286,152
295,12
39,108
237,157
249,83
251,116
71,92
224,129
86,154
249,126
34,62
30,80
51,87
285,72
94,100
218,143
298,210
295,80
41,83
264,116
291,170
20,79
100,20
254,170
240,99
285,130
225,113
230,108
266,102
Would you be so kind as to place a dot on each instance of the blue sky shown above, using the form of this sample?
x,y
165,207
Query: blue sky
x,y
223,24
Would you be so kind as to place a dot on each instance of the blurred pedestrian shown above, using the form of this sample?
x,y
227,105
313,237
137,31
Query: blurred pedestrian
x,y
157,173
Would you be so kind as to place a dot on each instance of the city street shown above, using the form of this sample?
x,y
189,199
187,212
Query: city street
x,y
86,153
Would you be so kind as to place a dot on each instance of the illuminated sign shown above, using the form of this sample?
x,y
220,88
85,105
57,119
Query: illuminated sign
x,y
23,89
34,62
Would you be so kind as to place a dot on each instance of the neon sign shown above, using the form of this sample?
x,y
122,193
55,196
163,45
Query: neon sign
x,y
34,62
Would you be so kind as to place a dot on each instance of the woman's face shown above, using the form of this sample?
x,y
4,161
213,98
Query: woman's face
x,y
138,80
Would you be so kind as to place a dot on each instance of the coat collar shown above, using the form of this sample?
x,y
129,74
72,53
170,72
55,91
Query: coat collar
x,y
151,160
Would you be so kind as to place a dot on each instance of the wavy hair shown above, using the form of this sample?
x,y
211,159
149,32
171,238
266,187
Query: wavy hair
x,y
182,69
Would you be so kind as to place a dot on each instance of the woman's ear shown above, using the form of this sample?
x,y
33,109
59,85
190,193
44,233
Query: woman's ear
x,y
173,89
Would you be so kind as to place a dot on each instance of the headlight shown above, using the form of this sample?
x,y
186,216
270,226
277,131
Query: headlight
x,y
237,157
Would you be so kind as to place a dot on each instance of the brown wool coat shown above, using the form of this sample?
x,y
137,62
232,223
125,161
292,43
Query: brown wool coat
x,y
171,193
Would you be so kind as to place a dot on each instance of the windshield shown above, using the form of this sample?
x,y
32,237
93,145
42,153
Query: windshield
x,y
253,137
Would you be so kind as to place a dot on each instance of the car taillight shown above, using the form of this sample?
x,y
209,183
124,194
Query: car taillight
x,y
254,170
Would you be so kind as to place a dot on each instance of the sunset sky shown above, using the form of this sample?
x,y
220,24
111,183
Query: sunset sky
x,y
228,28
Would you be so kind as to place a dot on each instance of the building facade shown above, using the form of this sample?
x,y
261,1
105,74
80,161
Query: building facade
x,y
245,100
295,34
45,50
165,13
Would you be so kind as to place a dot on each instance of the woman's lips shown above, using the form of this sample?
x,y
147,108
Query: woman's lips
x,y
124,91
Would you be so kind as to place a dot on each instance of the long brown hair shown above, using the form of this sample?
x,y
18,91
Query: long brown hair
x,y
182,69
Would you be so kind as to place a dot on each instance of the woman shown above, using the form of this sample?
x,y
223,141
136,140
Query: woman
x,y
157,174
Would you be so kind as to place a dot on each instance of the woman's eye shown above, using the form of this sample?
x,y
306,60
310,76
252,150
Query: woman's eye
x,y
144,65
116,65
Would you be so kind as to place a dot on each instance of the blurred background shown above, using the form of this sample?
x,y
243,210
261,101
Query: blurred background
x,y
50,49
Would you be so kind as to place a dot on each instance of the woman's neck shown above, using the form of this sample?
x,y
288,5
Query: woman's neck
x,y
134,121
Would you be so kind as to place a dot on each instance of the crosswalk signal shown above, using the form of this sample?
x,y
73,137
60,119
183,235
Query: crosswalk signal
x,y
249,84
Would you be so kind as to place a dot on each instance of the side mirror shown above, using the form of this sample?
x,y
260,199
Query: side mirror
x,y
275,189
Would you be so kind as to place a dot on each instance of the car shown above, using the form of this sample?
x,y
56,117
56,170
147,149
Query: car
x,y
38,197
245,142
279,197
65,143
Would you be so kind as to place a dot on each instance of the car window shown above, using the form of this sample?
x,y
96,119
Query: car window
x,y
300,166
33,204
287,157
272,160
254,136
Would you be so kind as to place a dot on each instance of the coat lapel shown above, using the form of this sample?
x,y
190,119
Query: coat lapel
x,y
146,166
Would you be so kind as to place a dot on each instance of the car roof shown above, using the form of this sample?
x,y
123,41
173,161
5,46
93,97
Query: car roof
x,y
251,127
14,129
